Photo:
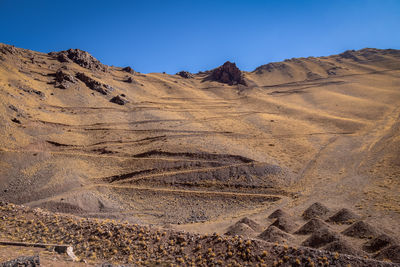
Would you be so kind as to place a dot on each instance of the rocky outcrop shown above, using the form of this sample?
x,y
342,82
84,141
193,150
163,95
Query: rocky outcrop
x,y
228,73
119,99
129,70
63,80
185,74
80,57
93,84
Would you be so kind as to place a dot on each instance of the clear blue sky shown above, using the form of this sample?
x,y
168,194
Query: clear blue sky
x,y
156,36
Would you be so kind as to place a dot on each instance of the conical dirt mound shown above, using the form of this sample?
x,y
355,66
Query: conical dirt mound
x,y
240,229
378,243
344,216
361,229
342,247
277,214
320,238
311,226
316,210
391,253
274,234
252,224
285,224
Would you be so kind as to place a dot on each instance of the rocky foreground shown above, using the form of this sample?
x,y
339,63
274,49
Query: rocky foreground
x,y
95,241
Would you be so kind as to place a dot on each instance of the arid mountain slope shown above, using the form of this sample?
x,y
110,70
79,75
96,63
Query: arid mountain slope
x,y
81,137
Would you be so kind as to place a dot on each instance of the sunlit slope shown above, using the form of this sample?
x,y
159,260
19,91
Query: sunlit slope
x,y
299,130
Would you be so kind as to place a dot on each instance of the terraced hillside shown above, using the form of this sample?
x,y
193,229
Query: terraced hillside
x,y
197,152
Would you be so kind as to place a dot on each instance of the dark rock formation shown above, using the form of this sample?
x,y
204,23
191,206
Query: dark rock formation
x,y
63,80
129,70
119,99
93,84
228,73
82,58
185,74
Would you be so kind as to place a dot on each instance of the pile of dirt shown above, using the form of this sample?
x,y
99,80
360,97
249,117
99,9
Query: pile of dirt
x,y
129,70
93,84
311,226
344,216
274,234
63,80
80,57
228,73
252,224
277,214
361,229
240,229
343,247
321,237
316,210
119,99
285,224
185,74
378,243
391,253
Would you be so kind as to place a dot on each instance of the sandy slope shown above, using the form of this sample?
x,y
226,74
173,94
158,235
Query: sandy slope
x,y
197,154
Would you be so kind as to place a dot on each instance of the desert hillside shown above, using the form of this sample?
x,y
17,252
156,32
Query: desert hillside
x,y
199,152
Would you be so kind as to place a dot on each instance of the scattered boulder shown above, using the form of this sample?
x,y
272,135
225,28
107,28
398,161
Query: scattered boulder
x,y
342,247
13,108
320,238
129,70
63,80
228,73
93,84
285,224
240,229
252,224
277,214
80,57
391,253
378,243
274,234
129,80
311,226
361,229
185,74
119,99
316,210
344,216
16,120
